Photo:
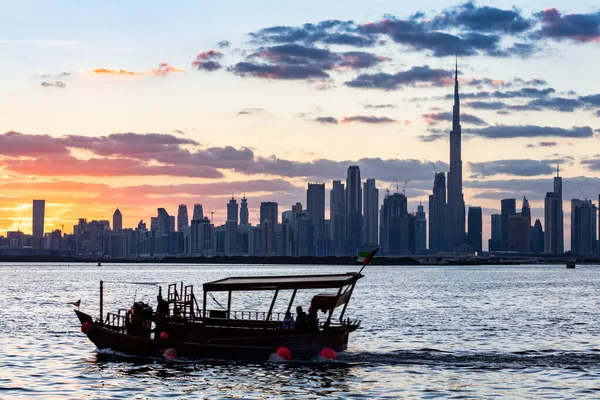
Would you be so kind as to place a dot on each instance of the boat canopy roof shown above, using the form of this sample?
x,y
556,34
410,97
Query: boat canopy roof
x,y
282,282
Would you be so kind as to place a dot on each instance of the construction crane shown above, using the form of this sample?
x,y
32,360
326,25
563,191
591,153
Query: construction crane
x,y
434,169
583,194
404,187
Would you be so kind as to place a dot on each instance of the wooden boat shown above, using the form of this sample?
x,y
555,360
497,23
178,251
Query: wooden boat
x,y
570,264
197,332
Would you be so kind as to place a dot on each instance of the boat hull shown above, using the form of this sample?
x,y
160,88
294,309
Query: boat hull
x,y
256,348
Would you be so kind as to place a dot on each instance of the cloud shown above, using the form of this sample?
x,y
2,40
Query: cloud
x,y
378,106
208,60
513,131
59,75
592,164
15,144
575,27
416,75
223,44
368,119
57,84
556,103
326,120
432,137
544,144
484,105
252,111
434,118
482,19
593,99
522,167
287,72
163,69
418,36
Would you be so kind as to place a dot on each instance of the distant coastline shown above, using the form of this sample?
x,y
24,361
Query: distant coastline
x,y
259,260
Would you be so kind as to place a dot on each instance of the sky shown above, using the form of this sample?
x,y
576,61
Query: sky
x,y
147,104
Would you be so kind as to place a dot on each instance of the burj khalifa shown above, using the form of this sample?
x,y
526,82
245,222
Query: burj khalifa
x,y
455,211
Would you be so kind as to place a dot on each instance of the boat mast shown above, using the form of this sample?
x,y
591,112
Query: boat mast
x,y
101,301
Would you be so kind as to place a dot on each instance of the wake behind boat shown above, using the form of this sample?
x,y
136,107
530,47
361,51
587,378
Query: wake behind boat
x,y
179,327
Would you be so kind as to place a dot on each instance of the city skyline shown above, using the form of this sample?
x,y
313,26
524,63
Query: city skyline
x,y
386,108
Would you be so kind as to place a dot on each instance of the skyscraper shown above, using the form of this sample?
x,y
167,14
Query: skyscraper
x,y
232,210
337,214
583,227
437,214
519,229
353,210
421,230
456,202
537,238
182,217
198,212
396,225
315,205
371,208
244,211
39,211
268,222
553,219
163,222
117,220
508,208
495,242
474,236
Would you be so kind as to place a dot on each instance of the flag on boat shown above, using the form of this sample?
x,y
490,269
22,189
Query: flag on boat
x,y
77,303
364,257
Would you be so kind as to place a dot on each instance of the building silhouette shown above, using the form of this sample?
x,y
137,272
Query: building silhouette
x,y
198,213
519,229
353,210
397,227
537,238
553,219
583,227
495,241
117,220
337,215
437,215
371,211
231,225
474,236
420,230
315,206
268,222
456,203
508,208
182,218
39,211
244,211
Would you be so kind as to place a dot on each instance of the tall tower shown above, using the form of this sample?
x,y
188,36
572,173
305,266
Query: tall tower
x,y
337,214
117,220
198,212
456,201
182,218
370,215
353,210
315,205
244,211
39,210
232,210
437,215
553,218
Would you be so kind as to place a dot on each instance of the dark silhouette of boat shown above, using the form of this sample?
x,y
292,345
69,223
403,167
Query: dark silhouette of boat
x,y
196,331
570,264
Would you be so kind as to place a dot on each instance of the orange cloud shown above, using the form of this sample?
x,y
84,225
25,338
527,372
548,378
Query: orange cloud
x,y
163,69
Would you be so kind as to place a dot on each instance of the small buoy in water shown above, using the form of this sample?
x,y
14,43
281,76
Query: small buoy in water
x,y
87,327
327,354
284,353
170,354
164,335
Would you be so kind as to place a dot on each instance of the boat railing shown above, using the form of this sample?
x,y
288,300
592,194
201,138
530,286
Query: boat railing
x,y
115,322
254,315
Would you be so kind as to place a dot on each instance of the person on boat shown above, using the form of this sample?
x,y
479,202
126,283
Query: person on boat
x,y
162,307
288,322
312,321
300,318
